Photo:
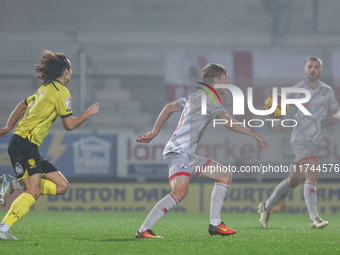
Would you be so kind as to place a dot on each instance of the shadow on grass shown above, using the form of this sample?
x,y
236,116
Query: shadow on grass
x,y
258,228
117,240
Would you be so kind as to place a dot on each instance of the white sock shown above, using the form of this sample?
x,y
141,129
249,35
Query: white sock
x,y
309,192
280,192
159,210
216,202
16,184
4,227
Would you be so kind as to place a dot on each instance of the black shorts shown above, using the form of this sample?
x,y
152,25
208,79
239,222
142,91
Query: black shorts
x,y
26,159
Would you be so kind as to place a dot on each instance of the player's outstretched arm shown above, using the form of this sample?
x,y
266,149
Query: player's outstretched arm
x,y
71,122
165,114
335,116
14,117
237,127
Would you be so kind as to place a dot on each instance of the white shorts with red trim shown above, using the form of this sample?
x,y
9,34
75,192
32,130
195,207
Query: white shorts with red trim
x,y
304,150
182,165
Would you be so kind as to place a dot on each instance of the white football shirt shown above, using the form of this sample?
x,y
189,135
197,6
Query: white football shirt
x,y
192,122
311,127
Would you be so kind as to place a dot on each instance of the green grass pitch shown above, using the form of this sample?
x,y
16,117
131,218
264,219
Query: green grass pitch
x,y
113,233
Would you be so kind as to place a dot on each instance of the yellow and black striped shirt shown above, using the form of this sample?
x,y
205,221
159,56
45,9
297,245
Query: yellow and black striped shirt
x,y
43,108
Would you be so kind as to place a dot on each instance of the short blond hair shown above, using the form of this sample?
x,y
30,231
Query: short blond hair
x,y
211,71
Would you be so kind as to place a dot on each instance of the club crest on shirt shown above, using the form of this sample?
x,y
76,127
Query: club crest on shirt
x,y
306,152
32,163
183,166
18,169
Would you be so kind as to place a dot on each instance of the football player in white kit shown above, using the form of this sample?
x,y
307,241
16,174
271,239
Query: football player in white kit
x,y
305,139
179,152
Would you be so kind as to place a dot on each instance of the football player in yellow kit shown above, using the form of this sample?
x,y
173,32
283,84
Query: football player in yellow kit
x,y
37,175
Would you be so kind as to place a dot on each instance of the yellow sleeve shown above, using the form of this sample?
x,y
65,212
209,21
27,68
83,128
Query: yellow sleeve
x,y
63,103
28,99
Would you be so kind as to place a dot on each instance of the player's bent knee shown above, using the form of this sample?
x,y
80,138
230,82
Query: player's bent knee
x,y
293,182
224,180
227,176
179,194
62,188
34,193
180,197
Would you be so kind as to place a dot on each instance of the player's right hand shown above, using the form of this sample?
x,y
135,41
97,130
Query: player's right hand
x,y
3,131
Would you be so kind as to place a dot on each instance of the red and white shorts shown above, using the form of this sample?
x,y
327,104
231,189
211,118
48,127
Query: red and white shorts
x,y
304,150
184,165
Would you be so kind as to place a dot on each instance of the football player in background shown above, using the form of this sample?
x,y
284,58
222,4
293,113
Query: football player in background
x,y
37,175
305,139
179,153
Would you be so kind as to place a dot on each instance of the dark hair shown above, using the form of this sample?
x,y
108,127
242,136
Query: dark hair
x,y
211,71
52,66
313,59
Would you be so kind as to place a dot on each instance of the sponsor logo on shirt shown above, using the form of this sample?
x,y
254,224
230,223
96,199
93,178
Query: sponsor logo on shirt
x,y
314,107
68,102
40,92
314,104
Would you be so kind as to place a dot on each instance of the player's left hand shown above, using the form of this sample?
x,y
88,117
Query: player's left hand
x,y
93,109
146,138
261,143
